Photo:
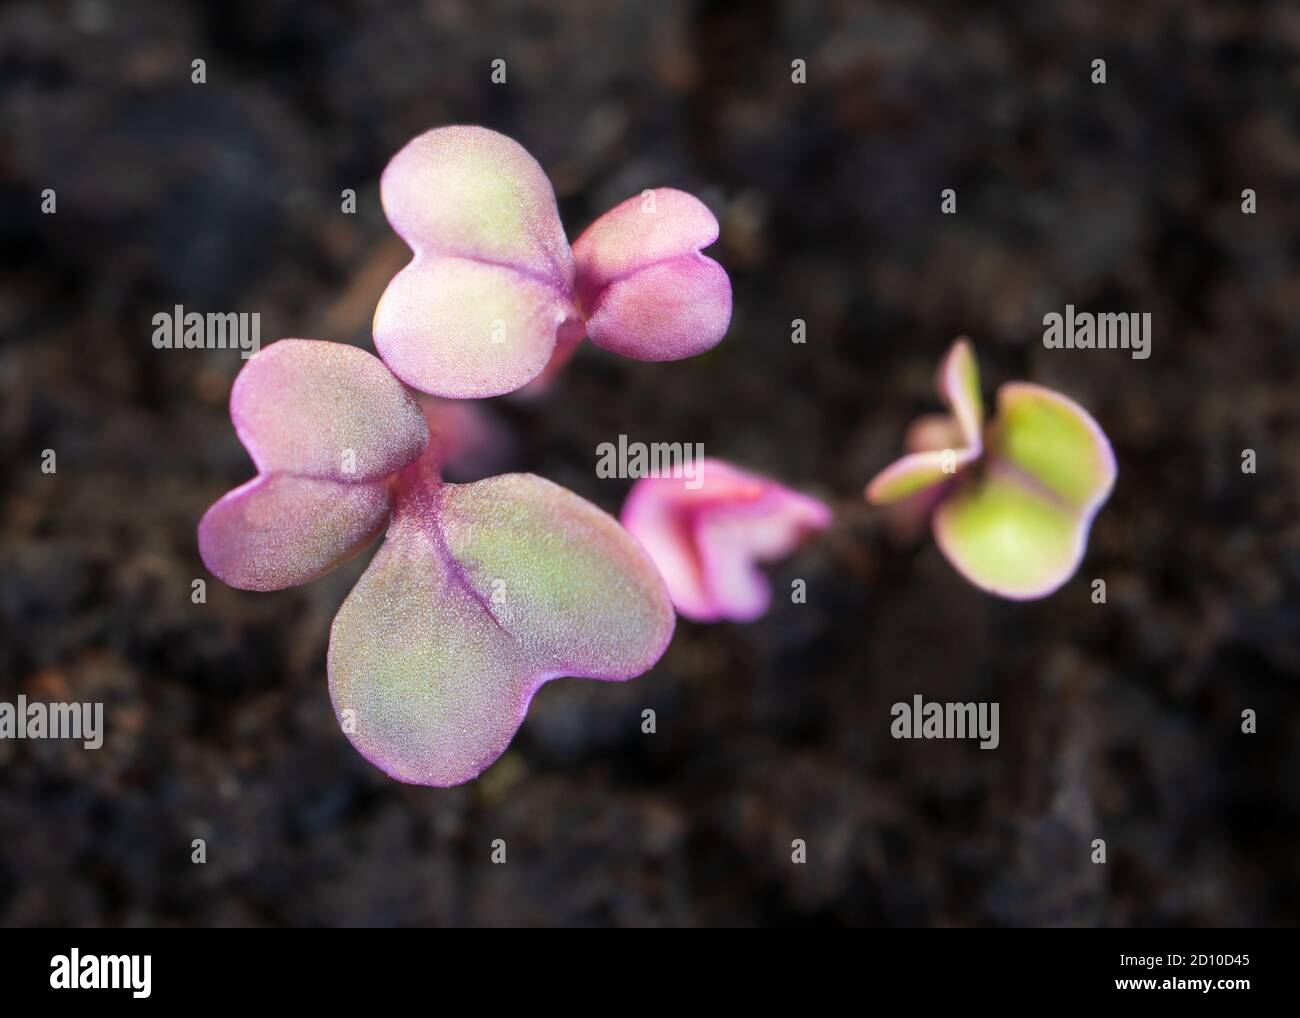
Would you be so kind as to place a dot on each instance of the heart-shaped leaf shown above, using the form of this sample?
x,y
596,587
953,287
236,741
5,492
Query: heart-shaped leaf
x,y
477,310
1021,528
479,594
643,286
326,424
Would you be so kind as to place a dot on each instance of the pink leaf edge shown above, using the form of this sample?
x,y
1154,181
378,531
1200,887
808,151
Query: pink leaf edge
x,y
708,541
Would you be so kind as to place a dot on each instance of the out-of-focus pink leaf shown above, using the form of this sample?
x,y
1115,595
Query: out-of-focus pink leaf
x,y
708,540
468,439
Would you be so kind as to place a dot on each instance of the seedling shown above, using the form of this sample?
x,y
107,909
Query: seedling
x,y
480,592
494,293
1011,501
708,540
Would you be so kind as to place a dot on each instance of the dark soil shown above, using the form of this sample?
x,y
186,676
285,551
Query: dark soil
x,y
1119,721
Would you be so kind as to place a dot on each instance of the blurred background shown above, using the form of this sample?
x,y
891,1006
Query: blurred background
x,y
1119,721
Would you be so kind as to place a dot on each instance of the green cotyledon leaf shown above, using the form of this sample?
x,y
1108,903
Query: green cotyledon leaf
x,y
1019,530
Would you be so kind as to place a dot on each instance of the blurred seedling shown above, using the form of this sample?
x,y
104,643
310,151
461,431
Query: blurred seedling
x,y
708,540
1011,500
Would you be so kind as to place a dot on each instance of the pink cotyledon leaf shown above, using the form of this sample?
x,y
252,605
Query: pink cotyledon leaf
x,y
325,410
479,594
477,311
708,540
468,439
279,531
643,286
494,298
326,426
